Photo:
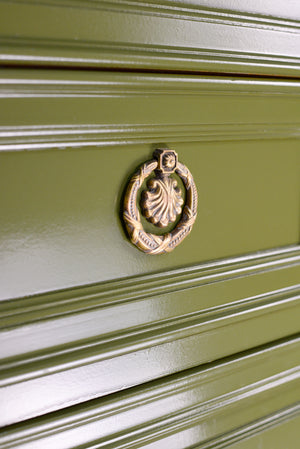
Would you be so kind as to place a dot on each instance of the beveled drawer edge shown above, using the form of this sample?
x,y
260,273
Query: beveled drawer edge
x,y
274,371
189,11
37,138
107,52
90,297
200,325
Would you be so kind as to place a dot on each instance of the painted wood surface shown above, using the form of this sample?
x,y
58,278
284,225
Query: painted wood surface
x,y
233,37
218,405
111,337
70,142
103,346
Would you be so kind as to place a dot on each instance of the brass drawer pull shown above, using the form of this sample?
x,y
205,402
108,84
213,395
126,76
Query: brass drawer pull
x,y
160,203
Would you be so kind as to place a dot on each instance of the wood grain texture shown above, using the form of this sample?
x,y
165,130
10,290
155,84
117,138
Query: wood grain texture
x,y
217,405
165,35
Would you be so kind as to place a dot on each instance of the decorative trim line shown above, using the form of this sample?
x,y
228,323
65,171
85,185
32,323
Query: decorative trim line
x,y
174,10
145,57
122,86
131,51
138,337
146,336
31,138
254,428
37,356
19,311
154,416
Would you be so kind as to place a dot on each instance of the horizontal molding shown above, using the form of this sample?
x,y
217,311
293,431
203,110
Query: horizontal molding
x,y
19,138
187,11
55,84
255,429
18,311
143,56
194,313
180,405
139,338
22,85
194,46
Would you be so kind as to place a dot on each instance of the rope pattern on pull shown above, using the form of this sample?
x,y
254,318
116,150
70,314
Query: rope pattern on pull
x,y
152,243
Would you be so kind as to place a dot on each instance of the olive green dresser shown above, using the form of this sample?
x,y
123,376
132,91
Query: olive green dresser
x,y
118,116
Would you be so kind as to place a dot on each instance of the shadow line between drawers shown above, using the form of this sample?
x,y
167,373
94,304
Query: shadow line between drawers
x,y
144,413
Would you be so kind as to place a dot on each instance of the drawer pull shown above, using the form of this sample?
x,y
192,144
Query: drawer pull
x,y
160,203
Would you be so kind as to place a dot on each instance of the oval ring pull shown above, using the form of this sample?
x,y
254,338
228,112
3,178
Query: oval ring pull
x,y
161,203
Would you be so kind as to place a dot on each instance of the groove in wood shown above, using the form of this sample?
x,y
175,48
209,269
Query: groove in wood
x,y
195,44
240,387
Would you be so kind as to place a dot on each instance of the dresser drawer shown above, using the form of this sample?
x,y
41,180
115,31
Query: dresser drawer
x,y
84,312
71,142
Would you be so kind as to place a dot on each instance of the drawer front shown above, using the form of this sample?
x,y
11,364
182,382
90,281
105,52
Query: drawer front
x,y
102,345
84,313
71,142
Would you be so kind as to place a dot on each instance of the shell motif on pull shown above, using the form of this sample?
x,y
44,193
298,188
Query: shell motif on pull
x,y
161,203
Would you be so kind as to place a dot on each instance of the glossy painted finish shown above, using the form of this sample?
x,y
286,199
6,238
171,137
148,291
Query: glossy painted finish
x,y
221,402
61,223
101,348
284,434
219,36
197,348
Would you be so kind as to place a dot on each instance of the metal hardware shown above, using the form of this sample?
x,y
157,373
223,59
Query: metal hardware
x,y
160,203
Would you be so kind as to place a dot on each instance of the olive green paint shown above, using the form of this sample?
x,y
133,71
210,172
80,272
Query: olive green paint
x,y
102,345
61,212
212,406
221,36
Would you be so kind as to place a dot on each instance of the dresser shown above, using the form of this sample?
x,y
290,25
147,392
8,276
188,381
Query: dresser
x,y
107,344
